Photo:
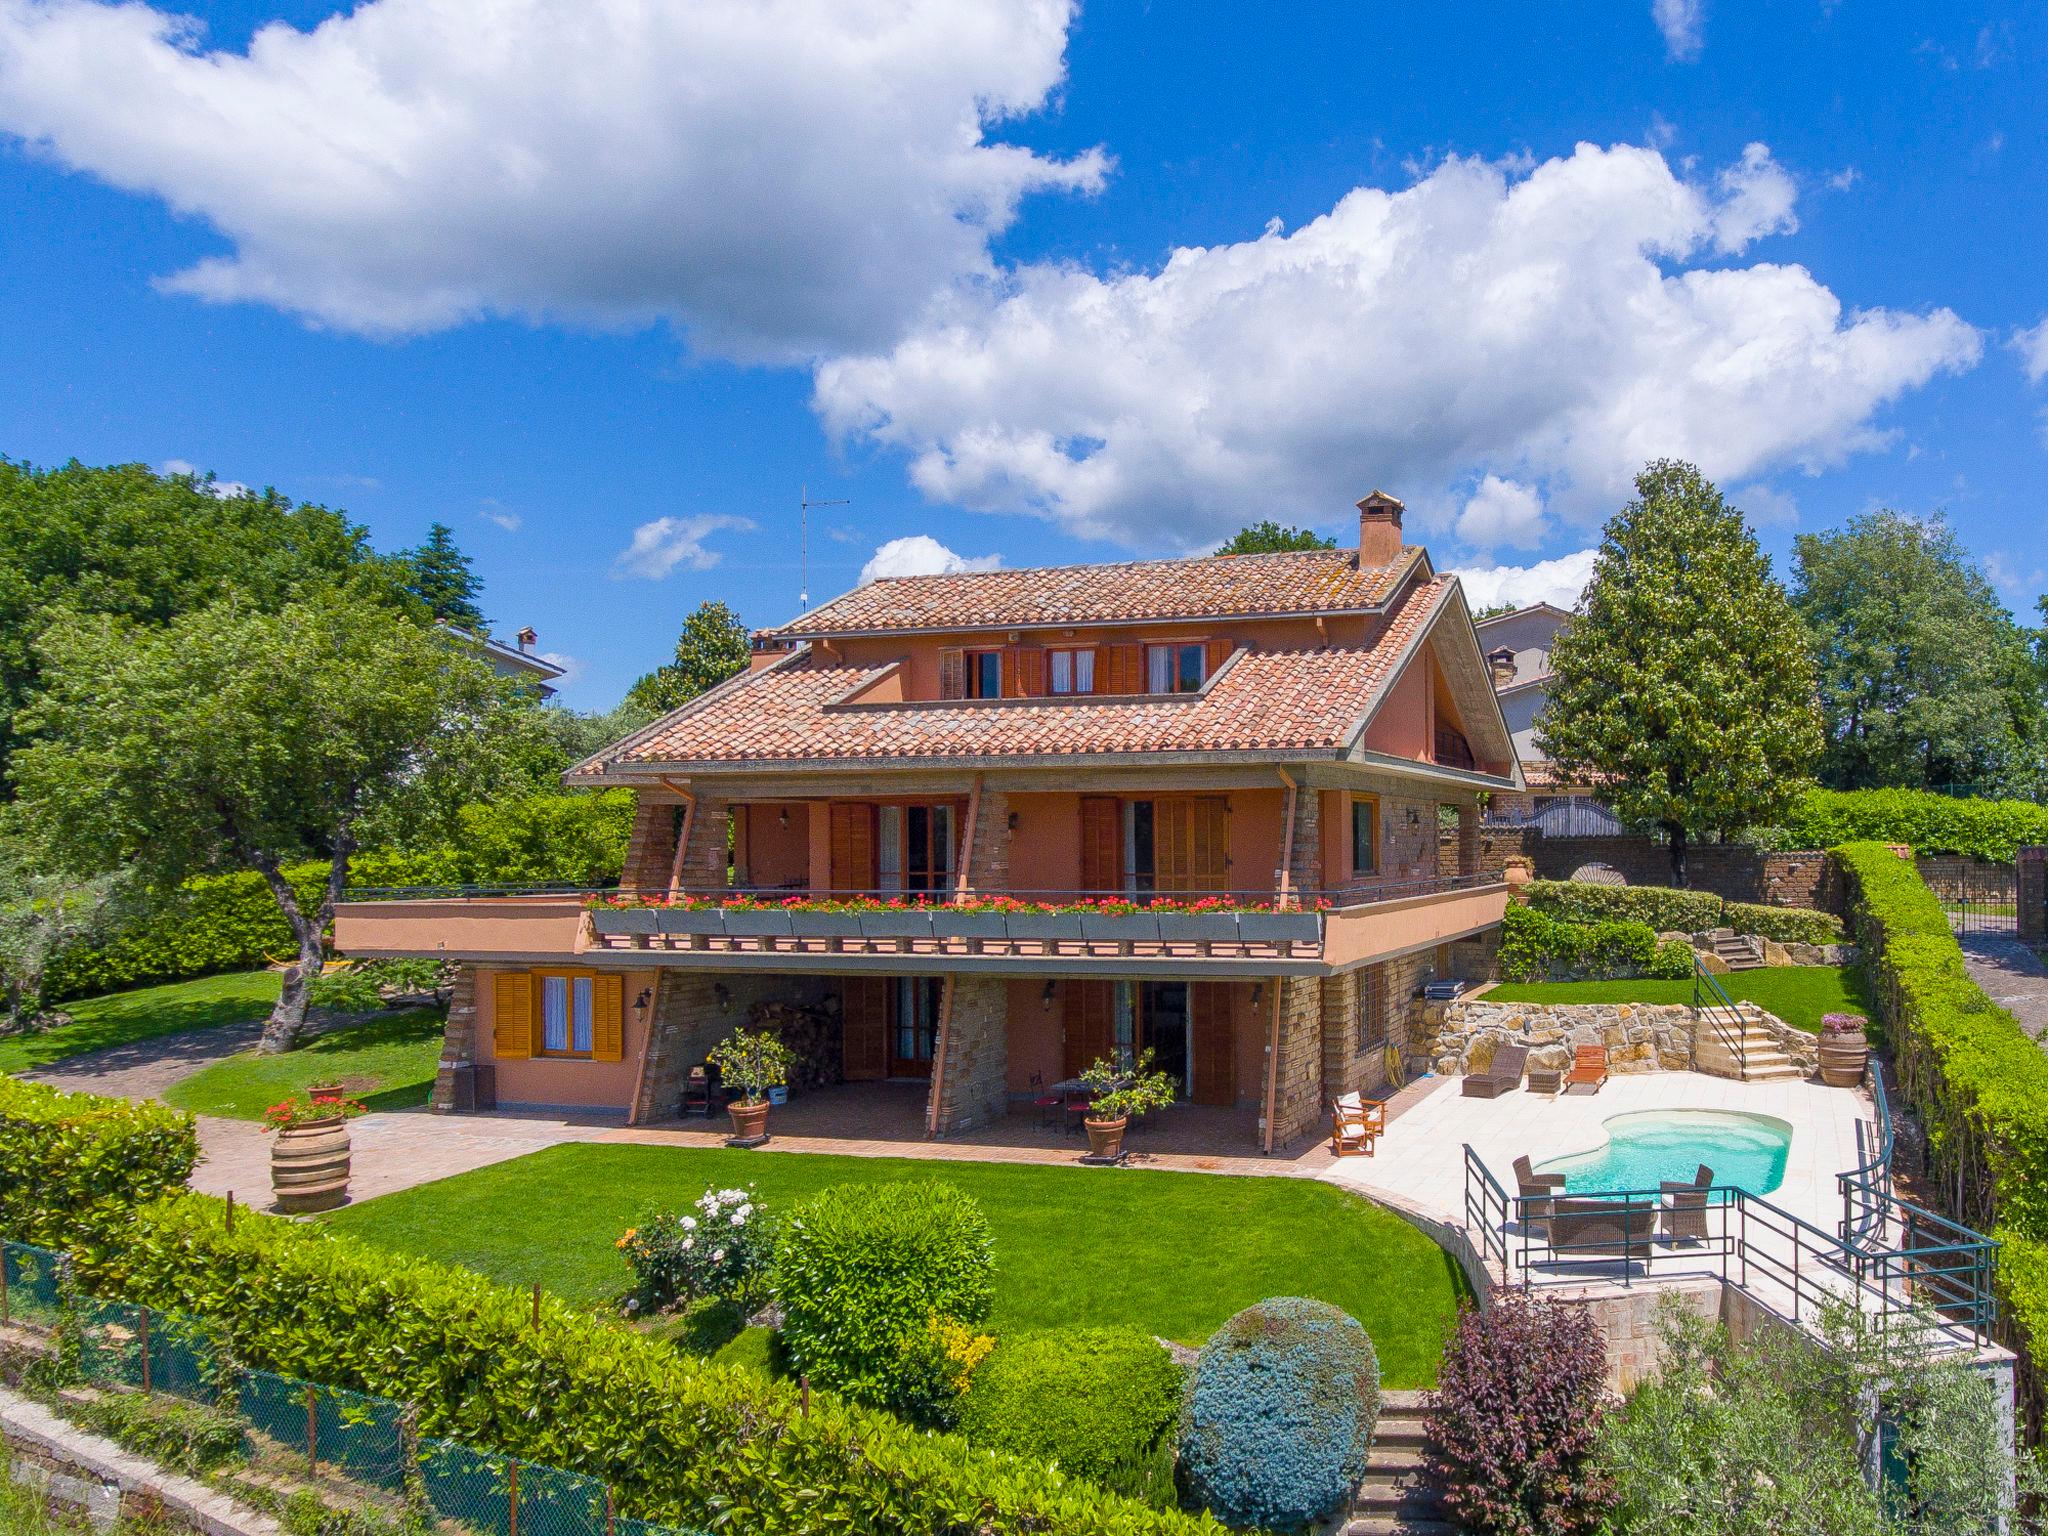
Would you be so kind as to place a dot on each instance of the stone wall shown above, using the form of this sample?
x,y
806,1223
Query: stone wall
x,y
1640,1037
651,844
988,866
1734,871
689,1018
2033,895
973,1086
1298,1080
458,1040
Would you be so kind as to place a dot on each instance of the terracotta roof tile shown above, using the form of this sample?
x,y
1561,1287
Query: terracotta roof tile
x,y
1215,586
1306,700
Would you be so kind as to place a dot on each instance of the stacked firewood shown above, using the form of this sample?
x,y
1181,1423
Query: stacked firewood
x,y
812,1035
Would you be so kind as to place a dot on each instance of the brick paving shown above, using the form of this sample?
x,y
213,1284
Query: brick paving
x,y
2015,977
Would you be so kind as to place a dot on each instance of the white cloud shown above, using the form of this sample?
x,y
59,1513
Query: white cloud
x,y
1756,200
921,555
1502,512
1845,178
224,490
781,177
658,547
572,666
1544,328
1765,504
498,514
2005,573
1681,22
2032,346
1558,581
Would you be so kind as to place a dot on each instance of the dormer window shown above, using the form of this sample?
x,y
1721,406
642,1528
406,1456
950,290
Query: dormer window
x,y
1175,668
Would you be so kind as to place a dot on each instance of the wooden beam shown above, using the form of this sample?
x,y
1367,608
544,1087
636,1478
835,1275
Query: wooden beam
x,y
1278,984
646,1043
1284,896
931,1108
963,879
675,868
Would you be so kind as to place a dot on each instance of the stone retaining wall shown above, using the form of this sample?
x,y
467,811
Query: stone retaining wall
x,y
1640,1037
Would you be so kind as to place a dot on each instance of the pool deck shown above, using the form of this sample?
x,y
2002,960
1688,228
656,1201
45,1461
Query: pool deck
x,y
1418,1165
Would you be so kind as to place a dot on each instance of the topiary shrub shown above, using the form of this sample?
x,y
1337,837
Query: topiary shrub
x,y
1097,1401
1279,1414
861,1271
1672,962
1515,1419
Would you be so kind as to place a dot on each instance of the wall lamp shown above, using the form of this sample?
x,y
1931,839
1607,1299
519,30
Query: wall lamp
x,y
1045,998
722,995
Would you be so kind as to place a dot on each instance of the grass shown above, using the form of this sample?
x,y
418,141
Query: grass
x,y
387,1063
1173,1253
121,1017
1798,994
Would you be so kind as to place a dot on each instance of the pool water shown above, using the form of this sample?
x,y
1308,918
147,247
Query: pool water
x,y
1650,1146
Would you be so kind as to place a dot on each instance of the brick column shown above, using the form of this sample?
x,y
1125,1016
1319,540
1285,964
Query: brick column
x,y
458,1041
705,861
1298,1083
1306,866
989,857
651,845
972,1085
684,1023
2032,864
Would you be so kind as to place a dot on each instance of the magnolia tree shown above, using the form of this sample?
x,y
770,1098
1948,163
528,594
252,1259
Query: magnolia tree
x,y
1684,688
230,738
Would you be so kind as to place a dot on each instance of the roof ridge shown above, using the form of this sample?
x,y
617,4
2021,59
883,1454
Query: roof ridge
x,y
1121,565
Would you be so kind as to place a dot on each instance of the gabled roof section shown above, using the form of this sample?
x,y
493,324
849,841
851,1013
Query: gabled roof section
x,y
1316,581
1449,634
1266,705
1521,613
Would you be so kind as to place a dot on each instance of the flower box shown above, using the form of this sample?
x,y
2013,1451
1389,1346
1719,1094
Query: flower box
x,y
623,919
756,925
819,925
967,925
1118,927
1044,927
911,923
1279,927
688,920
1197,927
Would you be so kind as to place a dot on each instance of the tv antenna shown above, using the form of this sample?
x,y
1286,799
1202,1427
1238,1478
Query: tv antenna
x,y
803,513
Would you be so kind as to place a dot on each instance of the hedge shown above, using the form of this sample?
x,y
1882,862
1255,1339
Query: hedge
x,y
1668,909
70,1161
683,1441
231,922
1977,1082
1098,1401
1983,829
1535,946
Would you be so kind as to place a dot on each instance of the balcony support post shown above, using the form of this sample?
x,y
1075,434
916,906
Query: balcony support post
x,y
1284,896
675,868
931,1108
963,883
1277,986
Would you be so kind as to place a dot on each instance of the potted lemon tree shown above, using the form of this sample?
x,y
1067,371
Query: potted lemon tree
x,y
753,1061
1117,1092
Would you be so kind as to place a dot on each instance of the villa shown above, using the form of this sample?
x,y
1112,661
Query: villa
x,y
960,836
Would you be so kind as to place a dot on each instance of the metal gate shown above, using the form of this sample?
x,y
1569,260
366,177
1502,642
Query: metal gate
x,y
1978,897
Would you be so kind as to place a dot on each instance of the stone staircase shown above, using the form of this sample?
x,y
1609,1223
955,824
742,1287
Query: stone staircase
x,y
1738,951
1396,1499
1763,1059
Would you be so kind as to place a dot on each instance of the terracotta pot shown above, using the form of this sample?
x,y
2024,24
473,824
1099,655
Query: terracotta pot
x,y
1843,1058
309,1166
749,1121
326,1093
1106,1138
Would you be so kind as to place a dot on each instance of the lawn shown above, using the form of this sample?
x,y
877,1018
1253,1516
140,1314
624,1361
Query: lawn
x,y
1798,994
1173,1253
120,1017
387,1063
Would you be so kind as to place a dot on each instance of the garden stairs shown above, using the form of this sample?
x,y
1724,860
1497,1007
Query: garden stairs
x,y
1396,1498
1762,1060
1738,951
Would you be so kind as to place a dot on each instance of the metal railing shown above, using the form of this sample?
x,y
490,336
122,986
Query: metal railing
x,y
1867,1187
1562,816
1717,1010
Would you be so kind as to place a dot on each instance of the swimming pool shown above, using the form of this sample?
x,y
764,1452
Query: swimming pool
x,y
1645,1148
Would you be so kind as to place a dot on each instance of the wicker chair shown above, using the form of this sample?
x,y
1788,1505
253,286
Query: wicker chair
x,y
1537,1192
1502,1075
1683,1218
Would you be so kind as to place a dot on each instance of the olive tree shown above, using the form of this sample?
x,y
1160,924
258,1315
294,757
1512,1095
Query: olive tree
x,y
235,738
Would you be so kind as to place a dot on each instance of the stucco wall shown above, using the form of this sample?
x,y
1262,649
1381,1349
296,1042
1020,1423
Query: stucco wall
x,y
563,1080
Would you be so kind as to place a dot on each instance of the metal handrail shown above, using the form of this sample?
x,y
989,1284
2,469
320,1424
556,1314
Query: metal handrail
x,y
1868,1186
1738,1040
1484,1199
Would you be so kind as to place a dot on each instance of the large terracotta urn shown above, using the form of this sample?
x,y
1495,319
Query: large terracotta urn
x,y
749,1122
309,1166
1844,1051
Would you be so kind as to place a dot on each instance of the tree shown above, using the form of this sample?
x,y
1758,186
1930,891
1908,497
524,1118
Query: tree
x,y
41,913
439,575
1684,688
1269,538
231,738
127,541
1925,677
712,647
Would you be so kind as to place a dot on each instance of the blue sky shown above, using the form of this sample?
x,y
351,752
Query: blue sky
x,y
603,285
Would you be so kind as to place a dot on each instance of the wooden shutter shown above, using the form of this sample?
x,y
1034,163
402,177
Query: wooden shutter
x,y
1210,1053
952,674
853,848
1216,653
1024,672
512,1015
1209,843
864,1028
607,1017
1102,843
1090,1008
1171,835
1120,669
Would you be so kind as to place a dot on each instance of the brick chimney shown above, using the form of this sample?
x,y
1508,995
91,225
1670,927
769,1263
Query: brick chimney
x,y
1379,530
1502,664
526,638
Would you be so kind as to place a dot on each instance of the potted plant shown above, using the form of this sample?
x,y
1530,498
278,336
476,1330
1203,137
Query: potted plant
x,y
1844,1049
309,1161
1117,1092
752,1060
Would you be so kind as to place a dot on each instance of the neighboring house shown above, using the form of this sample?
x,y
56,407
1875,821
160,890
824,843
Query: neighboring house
x,y
517,660
1517,647
1286,732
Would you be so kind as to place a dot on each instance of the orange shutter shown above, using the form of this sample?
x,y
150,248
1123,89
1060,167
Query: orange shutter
x,y
864,1027
1209,843
1120,669
1090,1008
512,1015
952,674
1211,1058
1024,672
607,1018
853,848
1102,843
1217,653
1171,838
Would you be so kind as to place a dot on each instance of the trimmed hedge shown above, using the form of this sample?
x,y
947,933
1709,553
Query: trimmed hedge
x,y
1977,1082
70,1161
1980,829
231,922
1096,1401
683,1441
1537,947
1667,909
